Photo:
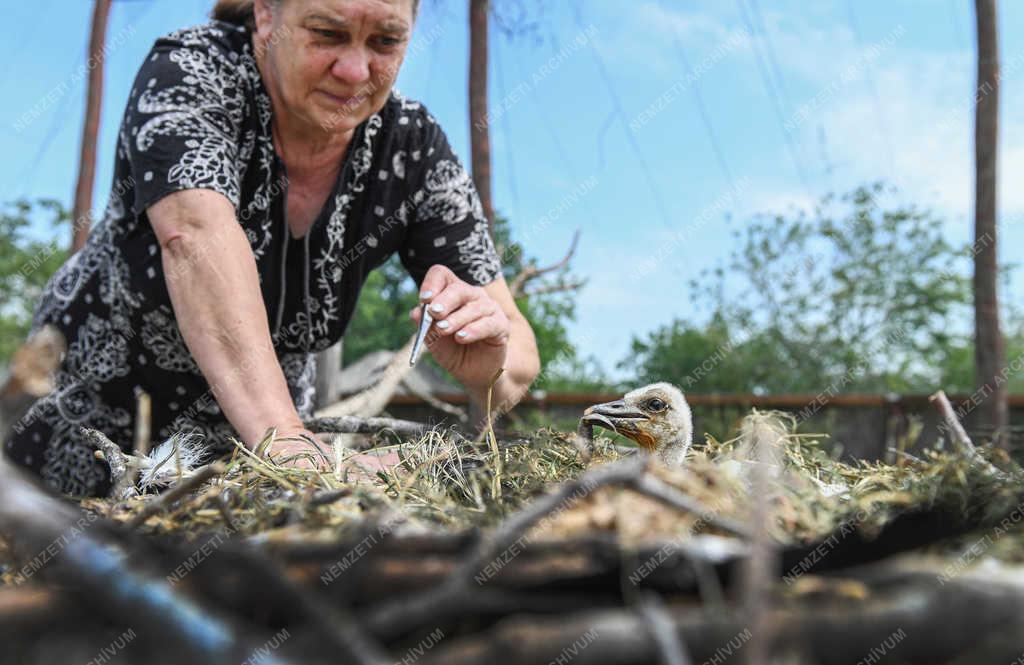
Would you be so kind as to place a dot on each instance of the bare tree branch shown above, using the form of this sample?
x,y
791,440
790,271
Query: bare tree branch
x,y
532,272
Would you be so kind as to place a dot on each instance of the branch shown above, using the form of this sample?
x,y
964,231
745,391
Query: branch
x,y
198,477
960,437
400,616
88,561
372,401
654,488
357,425
531,272
440,405
555,288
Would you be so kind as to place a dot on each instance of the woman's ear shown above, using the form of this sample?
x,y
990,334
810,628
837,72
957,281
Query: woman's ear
x,y
263,12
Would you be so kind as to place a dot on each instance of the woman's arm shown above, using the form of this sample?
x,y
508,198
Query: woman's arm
x,y
214,288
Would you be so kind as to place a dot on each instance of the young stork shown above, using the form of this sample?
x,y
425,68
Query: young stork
x,y
656,416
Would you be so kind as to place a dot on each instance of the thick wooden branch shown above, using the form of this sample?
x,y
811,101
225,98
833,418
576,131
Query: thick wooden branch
x,y
357,425
906,616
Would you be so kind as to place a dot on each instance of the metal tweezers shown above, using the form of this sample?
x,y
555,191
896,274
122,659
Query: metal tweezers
x,y
417,348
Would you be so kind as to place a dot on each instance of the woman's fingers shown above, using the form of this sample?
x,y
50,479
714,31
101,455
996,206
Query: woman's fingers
x,y
477,320
461,311
436,280
454,296
301,451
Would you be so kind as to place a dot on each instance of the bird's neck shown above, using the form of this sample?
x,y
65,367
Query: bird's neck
x,y
673,453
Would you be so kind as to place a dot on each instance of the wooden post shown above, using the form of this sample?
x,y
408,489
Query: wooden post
x,y
82,209
328,375
989,352
479,122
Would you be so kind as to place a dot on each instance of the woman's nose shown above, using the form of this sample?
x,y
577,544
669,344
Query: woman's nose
x,y
352,66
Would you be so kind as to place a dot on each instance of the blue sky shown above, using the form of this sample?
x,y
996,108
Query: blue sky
x,y
597,124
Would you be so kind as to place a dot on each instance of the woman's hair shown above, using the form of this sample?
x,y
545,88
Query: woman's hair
x,y
240,11
233,11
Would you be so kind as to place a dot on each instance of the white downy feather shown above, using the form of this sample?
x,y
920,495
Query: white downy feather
x,y
160,467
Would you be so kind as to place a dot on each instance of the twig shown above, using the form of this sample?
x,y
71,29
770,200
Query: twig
x,y
663,631
143,419
327,497
492,440
397,617
122,467
558,287
764,437
372,400
91,563
440,405
532,272
960,437
198,477
656,489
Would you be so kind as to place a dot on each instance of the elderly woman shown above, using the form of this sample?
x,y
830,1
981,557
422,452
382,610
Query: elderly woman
x,y
264,167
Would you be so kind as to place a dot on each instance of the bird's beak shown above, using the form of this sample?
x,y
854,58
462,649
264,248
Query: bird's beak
x,y
620,418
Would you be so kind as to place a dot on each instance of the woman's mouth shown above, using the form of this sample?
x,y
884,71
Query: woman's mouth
x,y
350,101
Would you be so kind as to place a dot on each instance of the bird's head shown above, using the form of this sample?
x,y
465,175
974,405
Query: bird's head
x,y
657,417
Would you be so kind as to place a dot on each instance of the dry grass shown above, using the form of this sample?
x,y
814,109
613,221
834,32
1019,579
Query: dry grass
x,y
449,483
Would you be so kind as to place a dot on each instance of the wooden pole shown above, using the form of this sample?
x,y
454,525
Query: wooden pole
x,y
81,211
480,135
989,352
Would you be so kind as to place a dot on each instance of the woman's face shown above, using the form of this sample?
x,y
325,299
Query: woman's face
x,y
332,62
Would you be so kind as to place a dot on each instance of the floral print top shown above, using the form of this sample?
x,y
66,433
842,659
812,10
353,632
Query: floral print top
x,y
198,116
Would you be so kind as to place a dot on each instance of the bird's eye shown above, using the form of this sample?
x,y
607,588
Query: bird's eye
x,y
656,404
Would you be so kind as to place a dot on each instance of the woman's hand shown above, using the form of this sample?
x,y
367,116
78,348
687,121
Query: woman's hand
x,y
470,334
296,449
292,449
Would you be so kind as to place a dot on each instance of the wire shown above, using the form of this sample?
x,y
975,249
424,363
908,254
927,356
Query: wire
x,y
555,140
28,37
621,113
773,61
57,123
876,101
506,129
705,117
773,95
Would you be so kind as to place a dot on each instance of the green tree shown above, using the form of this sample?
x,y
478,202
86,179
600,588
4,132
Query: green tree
x,y
852,295
26,263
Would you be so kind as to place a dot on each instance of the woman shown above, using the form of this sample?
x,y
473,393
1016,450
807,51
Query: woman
x,y
264,167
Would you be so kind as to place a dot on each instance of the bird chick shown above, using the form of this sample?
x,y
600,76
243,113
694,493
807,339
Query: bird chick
x,y
657,417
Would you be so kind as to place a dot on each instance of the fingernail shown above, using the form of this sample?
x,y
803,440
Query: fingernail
x,y
444,325
462,333
426,294
436,307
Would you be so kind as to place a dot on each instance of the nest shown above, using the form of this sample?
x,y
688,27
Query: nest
x,y
460,536
445,482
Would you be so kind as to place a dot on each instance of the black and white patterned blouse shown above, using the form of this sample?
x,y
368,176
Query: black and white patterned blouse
x,y
199,117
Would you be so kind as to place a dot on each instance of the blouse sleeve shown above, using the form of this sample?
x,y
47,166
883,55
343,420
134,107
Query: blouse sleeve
x,y
447,225
183,123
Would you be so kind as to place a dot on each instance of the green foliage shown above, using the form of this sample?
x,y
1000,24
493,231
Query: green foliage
x,y
25,265
381,321
852,297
